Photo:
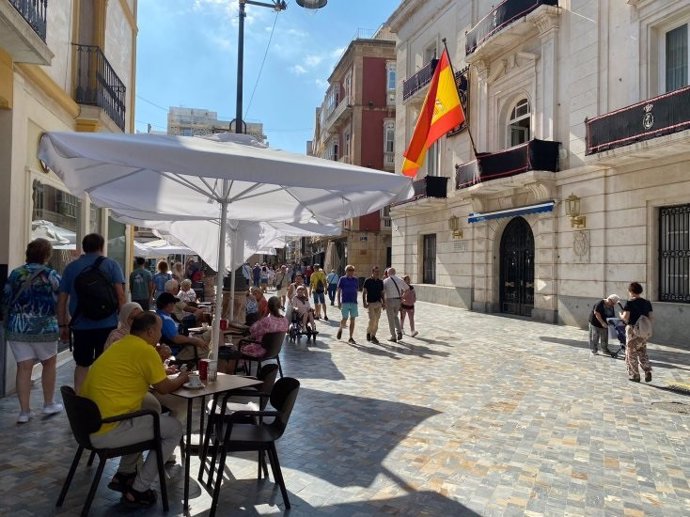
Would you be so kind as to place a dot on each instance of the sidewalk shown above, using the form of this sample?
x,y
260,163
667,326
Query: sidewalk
x,y
478,415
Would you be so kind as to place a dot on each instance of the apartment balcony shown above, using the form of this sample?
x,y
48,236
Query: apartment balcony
x,y
98,84
647,129
335,118
419,80
23,31
388,161
430,193
495,172
505,24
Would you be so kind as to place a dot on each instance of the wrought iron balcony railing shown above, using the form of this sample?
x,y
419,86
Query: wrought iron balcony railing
x,y
535,155
500,17
662,115
419,80
34,12
98,84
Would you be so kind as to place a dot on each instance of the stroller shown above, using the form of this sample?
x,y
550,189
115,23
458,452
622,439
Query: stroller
x,y
297,329
617,330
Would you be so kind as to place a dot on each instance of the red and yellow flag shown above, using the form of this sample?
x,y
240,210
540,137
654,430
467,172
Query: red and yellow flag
x,y
440,113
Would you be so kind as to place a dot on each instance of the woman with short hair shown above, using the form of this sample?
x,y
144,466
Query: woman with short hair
x,y
31,326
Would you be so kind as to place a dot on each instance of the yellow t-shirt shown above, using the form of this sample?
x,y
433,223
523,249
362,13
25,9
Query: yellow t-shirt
x,y
315,277
120,378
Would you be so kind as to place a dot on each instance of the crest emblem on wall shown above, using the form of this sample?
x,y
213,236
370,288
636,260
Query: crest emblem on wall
x,y
648,118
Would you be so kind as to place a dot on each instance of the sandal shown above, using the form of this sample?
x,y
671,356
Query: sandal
x,y
135,499
121,481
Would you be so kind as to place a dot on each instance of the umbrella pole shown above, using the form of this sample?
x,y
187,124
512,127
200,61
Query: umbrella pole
x,y
215,334
233,238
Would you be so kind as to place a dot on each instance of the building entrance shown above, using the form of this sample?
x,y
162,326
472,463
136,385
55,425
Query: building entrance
x,y
517,268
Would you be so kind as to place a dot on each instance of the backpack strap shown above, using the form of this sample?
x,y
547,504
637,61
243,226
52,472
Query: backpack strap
x,y
26,284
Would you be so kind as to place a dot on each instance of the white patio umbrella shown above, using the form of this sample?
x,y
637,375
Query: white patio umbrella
x,y
223,177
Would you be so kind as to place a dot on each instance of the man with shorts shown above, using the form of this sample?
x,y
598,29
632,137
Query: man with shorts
x,y
317,286
347,301
282,281
372,299
89,336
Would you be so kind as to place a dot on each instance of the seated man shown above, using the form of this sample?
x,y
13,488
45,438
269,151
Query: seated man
x,y
188,314
300,305
118,381
183,346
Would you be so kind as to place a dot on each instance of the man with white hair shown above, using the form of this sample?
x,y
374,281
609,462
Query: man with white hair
x,y
598,326
393,289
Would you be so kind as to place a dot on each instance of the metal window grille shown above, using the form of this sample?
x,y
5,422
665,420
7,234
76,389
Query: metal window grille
x,y
674,254
429,259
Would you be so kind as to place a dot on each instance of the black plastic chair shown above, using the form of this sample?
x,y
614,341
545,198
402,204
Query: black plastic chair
x,y
272,342
260,437
85,418
247,399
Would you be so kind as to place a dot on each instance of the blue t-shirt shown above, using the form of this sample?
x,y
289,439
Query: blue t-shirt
x,y
159,280
169,329
348,287
112,271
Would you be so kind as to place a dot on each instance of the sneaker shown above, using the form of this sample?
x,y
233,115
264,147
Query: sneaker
x,y
634,379
172,460
399,335
392,338
648,376
593,352
414,334
325,318
24,417
352,341
52,409
374,340
368,337
339,334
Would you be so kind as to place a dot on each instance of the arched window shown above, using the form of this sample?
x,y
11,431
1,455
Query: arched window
x,y
519,123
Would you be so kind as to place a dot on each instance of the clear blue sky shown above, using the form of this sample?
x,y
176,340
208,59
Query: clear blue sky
x,y
187,56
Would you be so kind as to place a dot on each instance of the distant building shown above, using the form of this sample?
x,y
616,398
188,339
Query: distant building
x,y
356,124
195,121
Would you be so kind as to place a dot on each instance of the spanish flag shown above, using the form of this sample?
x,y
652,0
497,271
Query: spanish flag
x,y
440,113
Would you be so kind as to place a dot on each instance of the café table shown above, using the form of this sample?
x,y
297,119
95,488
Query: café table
x,y
223,384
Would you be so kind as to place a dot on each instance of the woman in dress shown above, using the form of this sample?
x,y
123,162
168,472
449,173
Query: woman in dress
x,y
127,313
31,326
407,301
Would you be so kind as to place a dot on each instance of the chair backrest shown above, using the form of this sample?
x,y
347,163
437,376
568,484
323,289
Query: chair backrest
x,y
83,415
283,399
272,342
267,374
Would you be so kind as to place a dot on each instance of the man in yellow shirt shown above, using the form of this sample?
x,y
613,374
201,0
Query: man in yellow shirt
x,y
317,286
117,382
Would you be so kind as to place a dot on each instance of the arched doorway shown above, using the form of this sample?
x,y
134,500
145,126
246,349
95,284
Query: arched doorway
x,y
517,268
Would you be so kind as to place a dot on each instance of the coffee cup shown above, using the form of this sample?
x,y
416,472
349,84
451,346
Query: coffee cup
x,y
194,380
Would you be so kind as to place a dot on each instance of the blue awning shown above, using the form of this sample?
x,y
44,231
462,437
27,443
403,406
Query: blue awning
x,y
478,217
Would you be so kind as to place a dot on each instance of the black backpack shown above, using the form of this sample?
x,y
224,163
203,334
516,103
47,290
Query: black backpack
x,y
96,298
319,286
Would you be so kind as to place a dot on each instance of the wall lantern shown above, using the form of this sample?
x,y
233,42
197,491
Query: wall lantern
x,y
572,210
454,226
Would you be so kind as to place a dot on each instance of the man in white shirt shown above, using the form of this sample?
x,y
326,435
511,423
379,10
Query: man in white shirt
x,y
393,289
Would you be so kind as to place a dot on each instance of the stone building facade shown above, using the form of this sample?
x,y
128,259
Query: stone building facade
x,y
65,65
578,183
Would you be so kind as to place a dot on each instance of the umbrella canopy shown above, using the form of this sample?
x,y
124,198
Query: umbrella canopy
x,y
221,177
60,238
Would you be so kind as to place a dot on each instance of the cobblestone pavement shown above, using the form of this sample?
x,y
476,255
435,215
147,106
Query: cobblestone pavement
x,y
478,415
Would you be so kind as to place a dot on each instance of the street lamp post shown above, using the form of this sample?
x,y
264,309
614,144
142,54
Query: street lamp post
x,y
277,5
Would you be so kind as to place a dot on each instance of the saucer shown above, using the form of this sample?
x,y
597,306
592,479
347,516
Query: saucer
x,y
193,387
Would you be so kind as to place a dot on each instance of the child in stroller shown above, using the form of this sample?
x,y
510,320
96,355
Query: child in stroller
x,y
302,316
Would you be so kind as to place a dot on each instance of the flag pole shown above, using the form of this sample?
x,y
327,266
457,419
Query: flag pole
x,y
467,122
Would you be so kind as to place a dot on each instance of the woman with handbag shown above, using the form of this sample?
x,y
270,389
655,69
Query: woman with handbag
x,y
31,326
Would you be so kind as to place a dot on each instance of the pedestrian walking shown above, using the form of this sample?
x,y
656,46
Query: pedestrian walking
x,y
346,294
282,282
598,326
372,300
638,318
317,286
332,280
407,301
141,284
160,278
256,275
31,325
92,287
393,289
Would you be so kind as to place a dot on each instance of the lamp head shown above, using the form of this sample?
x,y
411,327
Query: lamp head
x,y
312,4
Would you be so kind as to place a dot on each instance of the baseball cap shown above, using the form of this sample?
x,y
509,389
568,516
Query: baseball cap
x,y
165,299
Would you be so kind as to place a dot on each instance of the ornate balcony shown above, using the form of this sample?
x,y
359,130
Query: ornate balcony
x,y
535,155
651,118
23,31
429,193
419,80
499,18
98,84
